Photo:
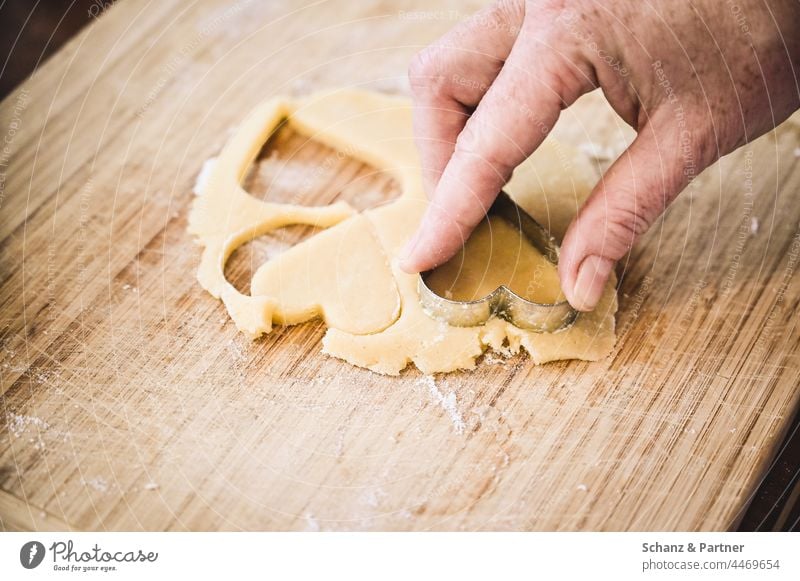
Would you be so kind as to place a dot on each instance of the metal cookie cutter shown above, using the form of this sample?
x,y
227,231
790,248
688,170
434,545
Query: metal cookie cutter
x,y
503,302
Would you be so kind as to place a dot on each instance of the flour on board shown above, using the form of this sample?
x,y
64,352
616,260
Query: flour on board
x,y
447,402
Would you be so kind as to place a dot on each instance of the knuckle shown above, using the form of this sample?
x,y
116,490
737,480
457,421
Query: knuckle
x,y
503,17
566,73
628,223
547,7
706,146
617,221
425,72
621,232
692,146
570,80
475,144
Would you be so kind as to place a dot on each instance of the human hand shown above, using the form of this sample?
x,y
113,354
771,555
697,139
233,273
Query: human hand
x,y
696,80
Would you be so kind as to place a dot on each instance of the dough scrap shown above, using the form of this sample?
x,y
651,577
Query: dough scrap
x,y
370,306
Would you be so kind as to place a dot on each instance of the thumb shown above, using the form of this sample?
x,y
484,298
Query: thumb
x,y
632,194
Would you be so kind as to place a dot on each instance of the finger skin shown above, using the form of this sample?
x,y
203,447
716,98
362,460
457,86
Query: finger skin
x,y
629,198
699,82
449,78
512,119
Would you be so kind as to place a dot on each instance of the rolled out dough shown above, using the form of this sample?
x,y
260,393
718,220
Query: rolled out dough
x,y
347,274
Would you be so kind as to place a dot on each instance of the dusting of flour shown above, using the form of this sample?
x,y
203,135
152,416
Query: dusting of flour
x,y
448,402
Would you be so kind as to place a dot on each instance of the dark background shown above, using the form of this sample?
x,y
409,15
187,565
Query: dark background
x,y
32,30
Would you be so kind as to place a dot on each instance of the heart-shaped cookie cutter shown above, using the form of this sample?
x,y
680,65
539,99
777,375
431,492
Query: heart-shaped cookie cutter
x,y
503,302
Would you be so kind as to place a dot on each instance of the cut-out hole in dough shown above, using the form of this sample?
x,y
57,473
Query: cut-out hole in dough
x,y
293,169
246,260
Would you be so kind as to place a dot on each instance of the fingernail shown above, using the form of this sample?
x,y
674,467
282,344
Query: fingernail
x,y
592,276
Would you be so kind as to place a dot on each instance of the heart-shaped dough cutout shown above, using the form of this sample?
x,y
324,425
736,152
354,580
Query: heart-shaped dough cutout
x,y
324,276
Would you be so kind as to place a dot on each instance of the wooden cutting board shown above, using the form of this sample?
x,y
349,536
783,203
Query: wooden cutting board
x,y
131,402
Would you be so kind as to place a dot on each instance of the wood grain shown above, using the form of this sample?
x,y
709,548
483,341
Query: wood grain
x,y
130,401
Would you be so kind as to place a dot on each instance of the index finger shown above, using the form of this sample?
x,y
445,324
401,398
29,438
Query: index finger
x,y
449,78
513,118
